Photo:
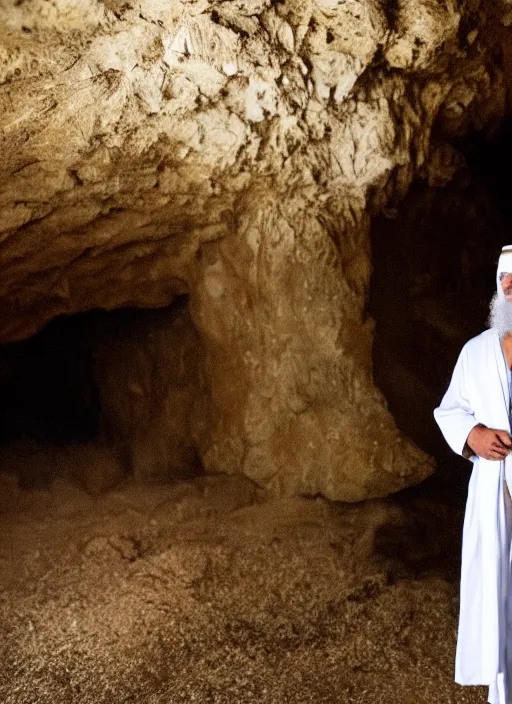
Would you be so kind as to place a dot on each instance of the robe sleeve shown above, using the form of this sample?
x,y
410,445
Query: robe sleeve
x,y
454,415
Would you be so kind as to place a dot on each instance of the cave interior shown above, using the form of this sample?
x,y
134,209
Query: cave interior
x,y
433,275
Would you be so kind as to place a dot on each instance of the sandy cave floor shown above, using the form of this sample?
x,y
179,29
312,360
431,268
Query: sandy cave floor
x,y
208,591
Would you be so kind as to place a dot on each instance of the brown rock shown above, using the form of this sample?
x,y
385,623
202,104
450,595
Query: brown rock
x,y
228,151
148,371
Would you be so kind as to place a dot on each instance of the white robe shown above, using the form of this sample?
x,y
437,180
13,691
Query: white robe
x,y
479,393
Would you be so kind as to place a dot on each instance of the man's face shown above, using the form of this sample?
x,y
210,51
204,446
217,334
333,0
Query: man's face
x,y
506,284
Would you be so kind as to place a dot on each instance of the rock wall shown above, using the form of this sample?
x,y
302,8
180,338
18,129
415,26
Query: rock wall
x,y
232,151
153,398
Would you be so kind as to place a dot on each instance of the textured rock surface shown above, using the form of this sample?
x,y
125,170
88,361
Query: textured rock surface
x,y
231,151
148,370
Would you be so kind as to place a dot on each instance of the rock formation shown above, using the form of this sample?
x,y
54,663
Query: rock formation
x,y
234,151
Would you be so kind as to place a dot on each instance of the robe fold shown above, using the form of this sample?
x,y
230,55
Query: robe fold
x,y
479,393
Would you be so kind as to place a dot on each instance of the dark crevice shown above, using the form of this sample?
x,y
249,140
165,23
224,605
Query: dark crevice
x,y
68,393
391,10
434,267
47,386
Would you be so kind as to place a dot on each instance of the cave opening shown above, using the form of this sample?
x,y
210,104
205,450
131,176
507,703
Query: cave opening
x,y
100,397
48,389
434,273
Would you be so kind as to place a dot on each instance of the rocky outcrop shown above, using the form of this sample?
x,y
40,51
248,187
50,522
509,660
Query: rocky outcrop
x,y
232,151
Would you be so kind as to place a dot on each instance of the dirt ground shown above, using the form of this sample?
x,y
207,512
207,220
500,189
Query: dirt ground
x,y
209,591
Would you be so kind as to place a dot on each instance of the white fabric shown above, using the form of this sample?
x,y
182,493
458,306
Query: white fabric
x,y
479,393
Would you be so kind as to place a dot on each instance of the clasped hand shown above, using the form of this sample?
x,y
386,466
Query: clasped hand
x,y
489,443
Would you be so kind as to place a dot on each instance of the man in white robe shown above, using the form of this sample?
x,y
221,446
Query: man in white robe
x,y
474,417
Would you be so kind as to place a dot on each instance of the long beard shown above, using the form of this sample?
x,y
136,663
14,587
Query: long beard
x,y
500,315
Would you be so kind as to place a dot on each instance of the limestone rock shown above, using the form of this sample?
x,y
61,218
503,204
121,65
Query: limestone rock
x,y
231,151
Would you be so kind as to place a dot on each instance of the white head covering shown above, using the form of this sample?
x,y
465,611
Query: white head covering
x,y
504,265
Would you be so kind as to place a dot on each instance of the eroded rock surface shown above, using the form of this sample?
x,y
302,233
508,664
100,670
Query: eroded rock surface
x,y
231,151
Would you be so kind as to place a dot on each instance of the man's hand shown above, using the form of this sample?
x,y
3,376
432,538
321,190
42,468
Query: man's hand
x,y
489,443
